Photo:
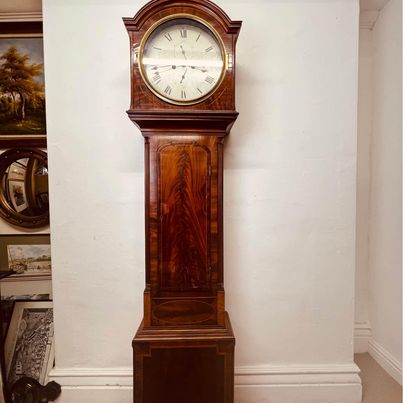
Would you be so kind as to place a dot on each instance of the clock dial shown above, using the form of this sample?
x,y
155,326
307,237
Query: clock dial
x,y
182,61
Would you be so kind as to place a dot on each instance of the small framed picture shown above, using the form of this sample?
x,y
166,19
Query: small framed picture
x,y
29,347
27,255
17,170
22,97
17,195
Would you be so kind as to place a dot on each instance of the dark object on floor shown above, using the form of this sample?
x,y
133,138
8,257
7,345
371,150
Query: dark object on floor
x,y
28,390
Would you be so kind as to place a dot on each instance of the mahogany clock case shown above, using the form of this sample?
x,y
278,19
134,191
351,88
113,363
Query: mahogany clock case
x,y
184,348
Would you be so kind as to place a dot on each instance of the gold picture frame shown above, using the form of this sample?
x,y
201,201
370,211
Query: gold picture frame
x,y
22,109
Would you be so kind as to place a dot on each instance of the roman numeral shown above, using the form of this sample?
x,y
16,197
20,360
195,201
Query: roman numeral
x,y
209,49
209,80
156,77
168,36
201,92
156,48
168,90
183,95
184,33
198,38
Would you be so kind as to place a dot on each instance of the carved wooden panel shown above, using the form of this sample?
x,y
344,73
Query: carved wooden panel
x,y
184,210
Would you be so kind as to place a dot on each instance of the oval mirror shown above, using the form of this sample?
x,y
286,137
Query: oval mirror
x,y
24,195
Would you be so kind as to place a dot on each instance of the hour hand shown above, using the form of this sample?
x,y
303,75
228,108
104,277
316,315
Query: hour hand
x,y
184,75
202,69
161,69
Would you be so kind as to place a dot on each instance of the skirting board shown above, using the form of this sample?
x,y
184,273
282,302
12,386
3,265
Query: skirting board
x,y
386,360
339,383
362,336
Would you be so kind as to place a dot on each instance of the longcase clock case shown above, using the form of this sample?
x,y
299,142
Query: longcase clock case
x,y
184,348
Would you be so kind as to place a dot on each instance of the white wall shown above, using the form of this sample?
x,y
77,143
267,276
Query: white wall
x,y
289,196
365,84
20,6
385,214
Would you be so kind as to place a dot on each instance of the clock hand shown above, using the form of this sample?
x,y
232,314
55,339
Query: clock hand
x,y
183,52
164,68
160,67
202,69
184,75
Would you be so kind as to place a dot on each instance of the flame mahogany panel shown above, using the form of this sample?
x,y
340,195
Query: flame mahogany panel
x,y
183,229
184,210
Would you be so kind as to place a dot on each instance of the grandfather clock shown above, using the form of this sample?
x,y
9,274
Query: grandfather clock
x,y
183,101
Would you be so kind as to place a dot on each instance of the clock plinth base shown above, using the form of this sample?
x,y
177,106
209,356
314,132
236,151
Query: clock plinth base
x,y
192,365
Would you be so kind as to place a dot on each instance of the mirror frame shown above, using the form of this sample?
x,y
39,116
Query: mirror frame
x,y
6,211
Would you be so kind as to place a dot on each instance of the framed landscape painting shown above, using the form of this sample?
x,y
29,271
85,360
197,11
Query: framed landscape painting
x,y
27,255
22,86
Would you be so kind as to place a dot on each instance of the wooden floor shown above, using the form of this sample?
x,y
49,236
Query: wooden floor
x,y
377,385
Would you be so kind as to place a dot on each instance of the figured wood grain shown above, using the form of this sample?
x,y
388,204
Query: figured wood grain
x,y
182,226
184,207
178,312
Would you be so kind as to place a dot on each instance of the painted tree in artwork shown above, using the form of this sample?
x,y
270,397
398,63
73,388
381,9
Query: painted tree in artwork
x,y
17,78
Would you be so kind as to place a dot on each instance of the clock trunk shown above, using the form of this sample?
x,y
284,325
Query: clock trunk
x,y
184,236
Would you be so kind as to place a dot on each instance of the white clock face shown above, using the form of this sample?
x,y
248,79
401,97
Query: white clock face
x,y
182,61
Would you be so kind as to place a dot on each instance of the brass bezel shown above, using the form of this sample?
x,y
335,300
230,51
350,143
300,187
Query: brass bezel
x,y
214,33
6,211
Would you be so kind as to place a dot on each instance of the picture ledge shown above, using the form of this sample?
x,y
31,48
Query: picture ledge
x,y
16,17
17,277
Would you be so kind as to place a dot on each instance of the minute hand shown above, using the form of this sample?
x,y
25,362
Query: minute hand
x,y
183,52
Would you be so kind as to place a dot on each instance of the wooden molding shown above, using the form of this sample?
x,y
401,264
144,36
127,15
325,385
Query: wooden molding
x,y
154,6
150,122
